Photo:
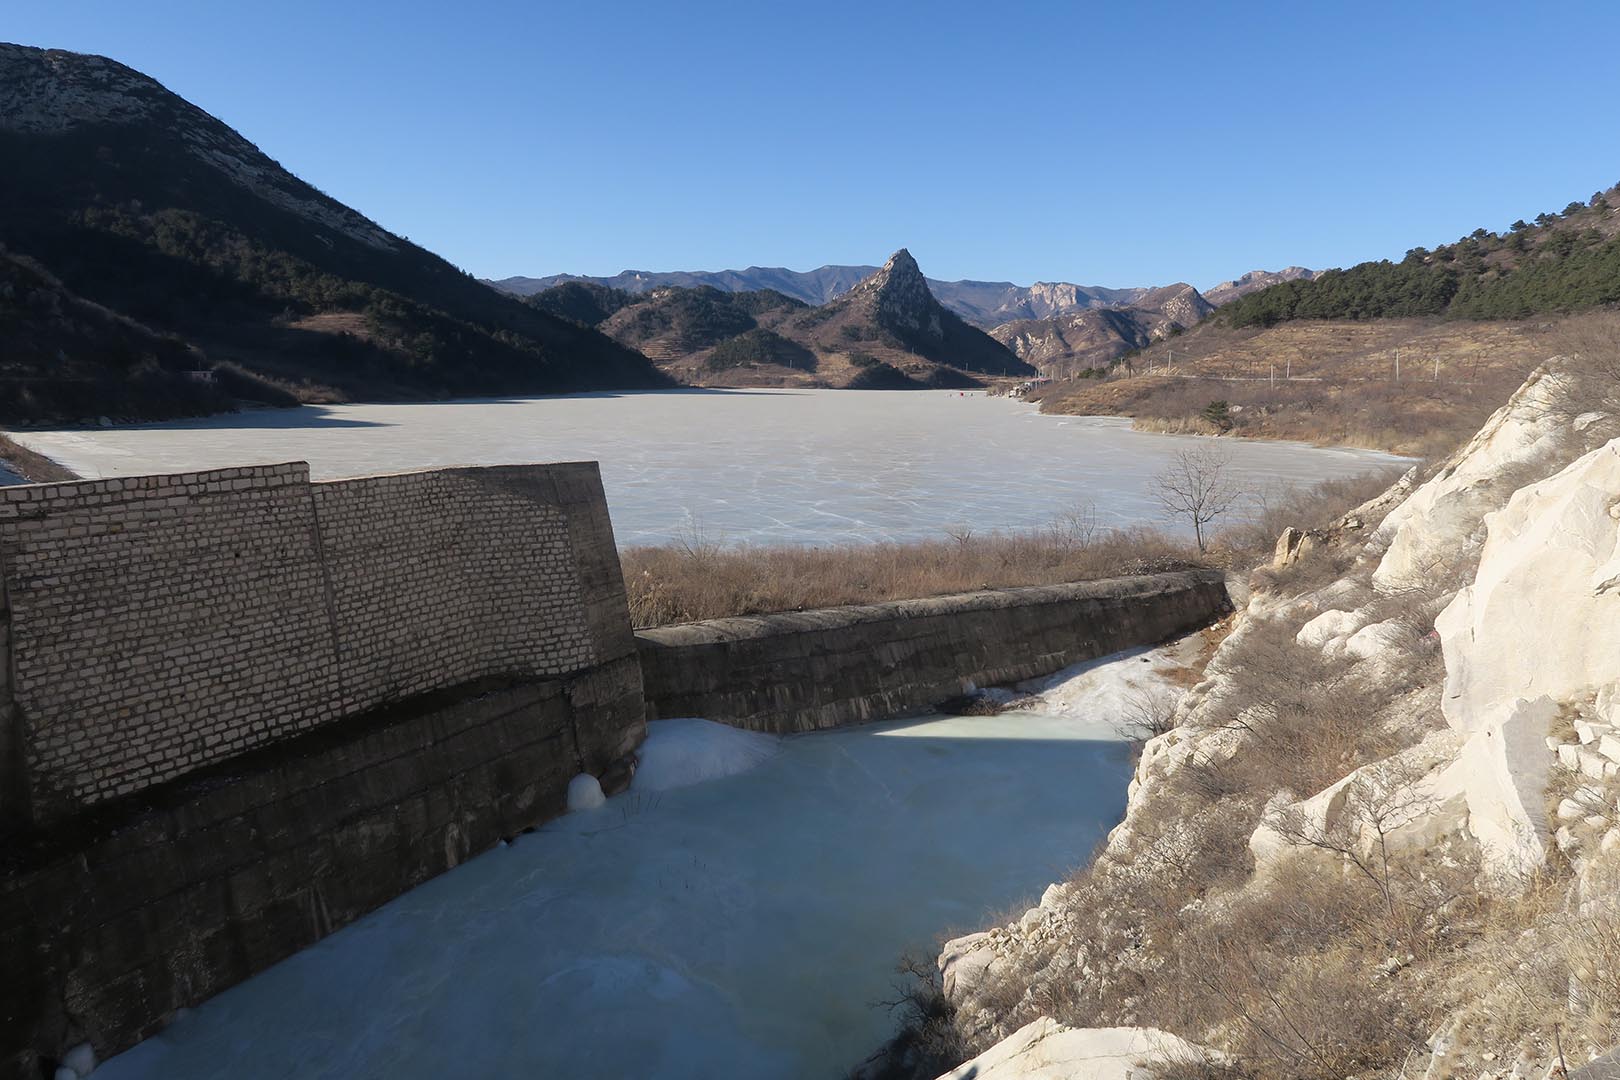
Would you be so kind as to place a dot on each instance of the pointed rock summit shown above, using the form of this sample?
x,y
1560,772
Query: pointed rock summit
x,y
900,300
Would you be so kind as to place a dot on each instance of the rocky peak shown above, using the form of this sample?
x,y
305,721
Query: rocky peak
x,y
900,298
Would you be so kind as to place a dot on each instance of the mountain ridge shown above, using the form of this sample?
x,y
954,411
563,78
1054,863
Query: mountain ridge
x,y
982,303
136,200
888,331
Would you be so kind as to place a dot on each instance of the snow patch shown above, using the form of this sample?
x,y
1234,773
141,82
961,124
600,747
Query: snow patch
x,y
682,752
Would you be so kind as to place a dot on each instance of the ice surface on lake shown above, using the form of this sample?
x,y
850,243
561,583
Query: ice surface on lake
x,y
763,466
743,926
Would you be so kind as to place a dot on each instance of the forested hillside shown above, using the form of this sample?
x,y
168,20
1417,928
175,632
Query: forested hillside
x,y
1560,262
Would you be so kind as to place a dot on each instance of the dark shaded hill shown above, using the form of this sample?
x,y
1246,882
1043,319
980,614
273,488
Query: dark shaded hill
x,y
65,358
142,203
583,302
680,322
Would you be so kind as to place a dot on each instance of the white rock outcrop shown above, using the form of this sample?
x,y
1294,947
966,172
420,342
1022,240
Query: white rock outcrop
x,y
1542,617
1437,526
1047,1050
1502,772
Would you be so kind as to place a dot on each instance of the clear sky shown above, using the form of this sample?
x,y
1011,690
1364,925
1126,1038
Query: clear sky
x,y
1132,144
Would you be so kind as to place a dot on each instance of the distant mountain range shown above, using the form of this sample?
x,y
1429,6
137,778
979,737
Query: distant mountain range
x,y
1057,327
982,303
886,332
153,262
145,243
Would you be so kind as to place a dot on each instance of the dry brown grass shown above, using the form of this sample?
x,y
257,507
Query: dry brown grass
x,y
697,580
702,579
1356,401
31,466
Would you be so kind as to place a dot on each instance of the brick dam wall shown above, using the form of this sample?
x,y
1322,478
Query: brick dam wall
x,y
802,671
160,624
239,710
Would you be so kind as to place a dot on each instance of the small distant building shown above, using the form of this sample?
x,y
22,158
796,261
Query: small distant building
x,y
202,376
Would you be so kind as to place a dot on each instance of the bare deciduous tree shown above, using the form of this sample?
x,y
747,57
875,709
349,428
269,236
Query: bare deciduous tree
x,y
1196,486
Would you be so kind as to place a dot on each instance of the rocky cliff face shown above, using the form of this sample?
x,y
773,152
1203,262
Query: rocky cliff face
x,y
1408,744
899,300
1254,281
1067,344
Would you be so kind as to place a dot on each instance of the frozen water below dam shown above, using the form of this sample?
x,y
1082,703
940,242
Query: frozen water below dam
x,y
761,466
737,913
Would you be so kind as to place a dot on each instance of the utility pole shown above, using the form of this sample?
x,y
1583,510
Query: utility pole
x,y
1397,365
1290,369
1274,376
1436,367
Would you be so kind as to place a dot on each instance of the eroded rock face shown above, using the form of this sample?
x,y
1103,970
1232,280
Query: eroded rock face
x,y
1047,1050
1437,528
1542,617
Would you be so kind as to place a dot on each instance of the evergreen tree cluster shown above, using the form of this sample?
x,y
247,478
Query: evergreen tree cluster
x,y
1564,262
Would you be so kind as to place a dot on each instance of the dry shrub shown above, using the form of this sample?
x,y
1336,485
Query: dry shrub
x,y
1147,713
1307,721
1589,347
1304,507
699,578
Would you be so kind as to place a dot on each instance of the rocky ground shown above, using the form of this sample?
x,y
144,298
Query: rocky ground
x,y
1382,837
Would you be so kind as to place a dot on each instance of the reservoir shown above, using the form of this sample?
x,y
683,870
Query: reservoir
x,y
737,466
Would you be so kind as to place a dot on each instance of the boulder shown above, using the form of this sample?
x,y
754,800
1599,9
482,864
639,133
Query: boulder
x,y
1502,773
1409,792
1377,640
1287,549
1330,630
1047,1050
965,962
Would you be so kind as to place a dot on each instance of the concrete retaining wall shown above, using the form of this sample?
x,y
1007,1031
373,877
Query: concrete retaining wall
x,y
160,624
159,901
819,669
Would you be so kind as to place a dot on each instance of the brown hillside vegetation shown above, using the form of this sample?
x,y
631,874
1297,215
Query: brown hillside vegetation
x,y
700,579
1322,381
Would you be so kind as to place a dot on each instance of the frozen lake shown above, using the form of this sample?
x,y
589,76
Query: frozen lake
x,y
758,466
742,926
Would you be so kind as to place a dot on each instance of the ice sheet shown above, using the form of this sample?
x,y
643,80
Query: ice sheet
x,y
760,466
742,926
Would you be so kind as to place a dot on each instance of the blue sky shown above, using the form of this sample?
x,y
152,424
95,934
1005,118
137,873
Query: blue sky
x,y
1138,143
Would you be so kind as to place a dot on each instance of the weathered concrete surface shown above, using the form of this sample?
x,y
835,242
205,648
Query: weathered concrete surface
x,y
819,669
157,902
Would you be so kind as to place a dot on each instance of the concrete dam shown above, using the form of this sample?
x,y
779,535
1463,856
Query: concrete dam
x,y
239,710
